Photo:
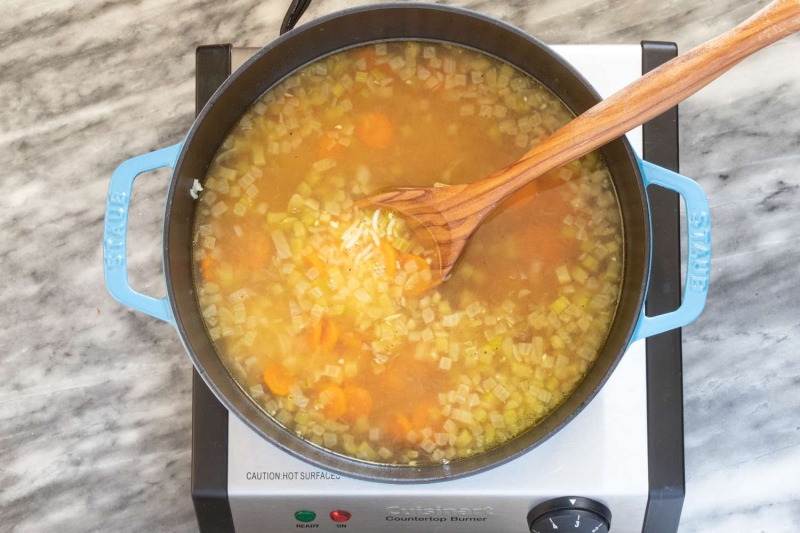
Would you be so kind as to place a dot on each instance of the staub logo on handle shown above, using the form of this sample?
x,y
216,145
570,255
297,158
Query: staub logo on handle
x,y
699,262
115,230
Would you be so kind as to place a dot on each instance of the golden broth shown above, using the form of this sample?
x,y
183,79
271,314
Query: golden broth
x,y
325,312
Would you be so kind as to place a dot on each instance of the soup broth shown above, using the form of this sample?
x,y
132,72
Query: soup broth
x,y
326,312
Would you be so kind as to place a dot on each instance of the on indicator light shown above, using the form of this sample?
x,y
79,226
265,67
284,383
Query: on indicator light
x,y
340,516
305,516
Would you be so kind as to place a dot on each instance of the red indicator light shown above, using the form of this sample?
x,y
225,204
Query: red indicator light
x,y
340,516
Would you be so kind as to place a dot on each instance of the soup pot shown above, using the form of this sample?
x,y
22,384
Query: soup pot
x,y
191,158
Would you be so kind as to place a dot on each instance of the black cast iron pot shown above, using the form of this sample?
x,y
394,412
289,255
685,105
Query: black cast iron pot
x,y
191,158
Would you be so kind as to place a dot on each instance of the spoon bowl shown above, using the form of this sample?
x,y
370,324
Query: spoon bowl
x,y
445,231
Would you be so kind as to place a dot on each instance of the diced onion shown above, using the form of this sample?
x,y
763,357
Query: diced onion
x,y
461,415
281,244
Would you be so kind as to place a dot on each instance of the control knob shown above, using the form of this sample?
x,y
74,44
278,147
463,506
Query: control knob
x,y
571,514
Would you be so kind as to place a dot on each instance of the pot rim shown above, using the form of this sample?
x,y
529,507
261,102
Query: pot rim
x,y
320,457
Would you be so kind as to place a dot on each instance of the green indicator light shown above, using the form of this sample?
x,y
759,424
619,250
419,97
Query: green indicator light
x,y
305,516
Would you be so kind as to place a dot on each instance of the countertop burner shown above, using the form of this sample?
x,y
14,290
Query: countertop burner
x,y
619,462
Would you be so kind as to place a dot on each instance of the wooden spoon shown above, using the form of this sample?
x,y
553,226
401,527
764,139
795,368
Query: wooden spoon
x,y
452,214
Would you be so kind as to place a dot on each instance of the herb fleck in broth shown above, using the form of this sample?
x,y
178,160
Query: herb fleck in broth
x,y
325,312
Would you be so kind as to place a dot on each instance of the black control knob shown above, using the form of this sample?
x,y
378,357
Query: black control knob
x,y
571,514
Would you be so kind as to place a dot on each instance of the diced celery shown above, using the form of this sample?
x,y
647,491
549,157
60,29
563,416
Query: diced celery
x,y
579,274
464,439
559,305
562,273
402,244
590,263
556,342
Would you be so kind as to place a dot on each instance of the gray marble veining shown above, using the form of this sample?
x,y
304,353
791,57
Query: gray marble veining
x,y
95,399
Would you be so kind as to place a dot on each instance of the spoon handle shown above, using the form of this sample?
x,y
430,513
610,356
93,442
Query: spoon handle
x,y
642,100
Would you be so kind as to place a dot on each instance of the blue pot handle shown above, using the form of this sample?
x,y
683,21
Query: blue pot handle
x,y
698,257
116,229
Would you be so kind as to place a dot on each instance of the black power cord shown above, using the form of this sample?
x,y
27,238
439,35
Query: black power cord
x,y
293,14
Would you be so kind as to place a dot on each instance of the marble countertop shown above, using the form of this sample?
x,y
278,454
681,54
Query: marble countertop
x,y
95,399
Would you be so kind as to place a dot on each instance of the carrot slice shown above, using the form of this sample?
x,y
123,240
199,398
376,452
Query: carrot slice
x,y
313,260
277,379
388,259
333,401
329,336
324,335
359,402
314,335
207,267
420,263
375,130
263,250
399,425
419,274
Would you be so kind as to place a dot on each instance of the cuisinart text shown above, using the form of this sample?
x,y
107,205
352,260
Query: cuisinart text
x,y
395,513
